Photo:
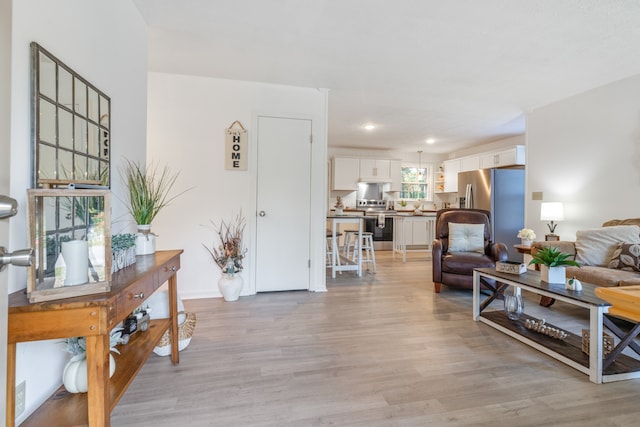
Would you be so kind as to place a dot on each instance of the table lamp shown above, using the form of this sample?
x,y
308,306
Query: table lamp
x,y
552,211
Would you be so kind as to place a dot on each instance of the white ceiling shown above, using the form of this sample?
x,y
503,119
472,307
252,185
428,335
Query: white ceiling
x,y
461,71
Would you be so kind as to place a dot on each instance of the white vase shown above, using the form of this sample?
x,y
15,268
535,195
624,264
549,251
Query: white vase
x,y
145,240
230,286
74,376
553,274
526,242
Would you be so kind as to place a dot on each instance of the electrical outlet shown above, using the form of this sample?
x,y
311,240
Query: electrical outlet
x,y
21,391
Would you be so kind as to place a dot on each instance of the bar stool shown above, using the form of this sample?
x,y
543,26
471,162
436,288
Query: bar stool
x,y
367,246
331,247
350,242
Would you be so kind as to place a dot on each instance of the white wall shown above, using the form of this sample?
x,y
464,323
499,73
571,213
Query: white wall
x,y
585,151
187,119
105,42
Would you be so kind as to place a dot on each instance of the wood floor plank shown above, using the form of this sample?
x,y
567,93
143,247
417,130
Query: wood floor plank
x,y
381,350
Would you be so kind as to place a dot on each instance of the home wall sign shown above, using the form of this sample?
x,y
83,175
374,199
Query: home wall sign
x,y
235,142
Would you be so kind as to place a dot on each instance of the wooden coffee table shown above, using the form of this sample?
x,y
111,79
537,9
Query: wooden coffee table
x,y
568,350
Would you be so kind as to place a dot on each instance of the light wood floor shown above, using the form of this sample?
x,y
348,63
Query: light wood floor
x,y
383,350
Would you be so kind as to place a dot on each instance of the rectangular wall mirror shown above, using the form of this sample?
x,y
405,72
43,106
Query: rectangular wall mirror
x,y
71,126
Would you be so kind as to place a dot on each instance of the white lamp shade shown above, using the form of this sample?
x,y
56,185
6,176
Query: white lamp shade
x,y
553,211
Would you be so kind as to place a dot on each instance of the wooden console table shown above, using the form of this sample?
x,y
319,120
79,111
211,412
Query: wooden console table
x,y
94,316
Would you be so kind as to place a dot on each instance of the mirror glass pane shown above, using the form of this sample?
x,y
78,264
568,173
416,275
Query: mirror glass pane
x,y
93,105
94,141
65,88
65,132
93,170
47,76
47,162
65,165
104,112
80,96
80,135
104,172
81,167
47,122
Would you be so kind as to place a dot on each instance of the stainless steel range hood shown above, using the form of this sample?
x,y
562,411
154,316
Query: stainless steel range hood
x,y
372,190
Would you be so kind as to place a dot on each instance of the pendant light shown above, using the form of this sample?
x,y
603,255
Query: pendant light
x,y
420,174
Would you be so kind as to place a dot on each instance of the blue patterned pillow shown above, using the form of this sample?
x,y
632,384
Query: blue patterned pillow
x,y
626,256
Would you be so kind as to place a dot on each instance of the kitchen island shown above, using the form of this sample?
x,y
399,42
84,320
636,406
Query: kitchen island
x,y
413,233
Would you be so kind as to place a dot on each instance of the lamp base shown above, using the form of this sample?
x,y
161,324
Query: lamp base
x,y
551,237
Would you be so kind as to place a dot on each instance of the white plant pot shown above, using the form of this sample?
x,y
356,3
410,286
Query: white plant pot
x,y
145,240
553,274
74,376
230,286
526,242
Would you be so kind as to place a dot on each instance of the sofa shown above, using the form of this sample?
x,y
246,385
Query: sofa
x,y
608,256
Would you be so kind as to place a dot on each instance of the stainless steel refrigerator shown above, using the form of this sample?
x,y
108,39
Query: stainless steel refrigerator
x,y
501,192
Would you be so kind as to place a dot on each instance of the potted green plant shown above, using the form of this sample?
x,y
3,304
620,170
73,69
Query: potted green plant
x,y
228,255
149,188
552,264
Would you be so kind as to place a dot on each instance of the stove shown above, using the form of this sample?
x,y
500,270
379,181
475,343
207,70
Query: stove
x,y
382,233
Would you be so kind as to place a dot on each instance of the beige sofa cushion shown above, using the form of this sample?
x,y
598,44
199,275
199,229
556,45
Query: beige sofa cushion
x,y
596,246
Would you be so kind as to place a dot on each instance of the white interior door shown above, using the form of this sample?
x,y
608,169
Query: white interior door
x,y
283,204
5,166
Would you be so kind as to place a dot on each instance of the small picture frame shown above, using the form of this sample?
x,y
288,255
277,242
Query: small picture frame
x,y
551,237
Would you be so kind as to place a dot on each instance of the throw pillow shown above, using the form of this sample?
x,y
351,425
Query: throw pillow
x,y
466,237
626,256
595,246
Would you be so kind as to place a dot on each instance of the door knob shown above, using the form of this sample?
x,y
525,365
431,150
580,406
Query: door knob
x,y
262,213
8,207
20,258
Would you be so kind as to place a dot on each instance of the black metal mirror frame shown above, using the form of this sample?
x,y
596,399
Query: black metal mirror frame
x,y
71,126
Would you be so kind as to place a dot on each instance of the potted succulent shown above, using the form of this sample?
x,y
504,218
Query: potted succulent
x,y
552,264
526,236
228,255
339,205
74,376
149,188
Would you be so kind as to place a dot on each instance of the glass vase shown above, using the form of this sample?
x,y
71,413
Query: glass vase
x,y
513,306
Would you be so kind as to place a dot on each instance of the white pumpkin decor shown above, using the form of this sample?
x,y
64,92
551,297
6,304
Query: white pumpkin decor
x,y
74,376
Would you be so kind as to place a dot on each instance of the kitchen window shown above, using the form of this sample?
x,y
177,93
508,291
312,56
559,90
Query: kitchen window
x,y
416,183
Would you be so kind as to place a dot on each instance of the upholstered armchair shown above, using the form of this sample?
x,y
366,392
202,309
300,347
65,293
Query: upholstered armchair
x,y
468,246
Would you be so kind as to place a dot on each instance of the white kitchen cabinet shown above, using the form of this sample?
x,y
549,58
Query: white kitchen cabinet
x,y
346,173
375,170
507,157
470,163
451,169
395,172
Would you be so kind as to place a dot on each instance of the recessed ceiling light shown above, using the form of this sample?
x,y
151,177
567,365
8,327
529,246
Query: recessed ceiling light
x,y
369,126
430,141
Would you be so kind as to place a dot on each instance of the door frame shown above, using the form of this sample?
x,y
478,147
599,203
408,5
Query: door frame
x,y
318,208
